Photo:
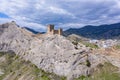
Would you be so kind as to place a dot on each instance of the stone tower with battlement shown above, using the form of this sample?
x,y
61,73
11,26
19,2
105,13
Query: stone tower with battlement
x,y
52,31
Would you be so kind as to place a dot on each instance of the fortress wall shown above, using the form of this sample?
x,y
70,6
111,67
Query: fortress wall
x,y
52,31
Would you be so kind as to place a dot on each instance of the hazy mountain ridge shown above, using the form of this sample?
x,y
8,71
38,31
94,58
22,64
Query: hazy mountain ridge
x,y
31,30
97,32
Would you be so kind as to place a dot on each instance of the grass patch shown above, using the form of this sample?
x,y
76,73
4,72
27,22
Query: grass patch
x,y
91,45
103,72
87,44
75,43
14,68
117,46
2,53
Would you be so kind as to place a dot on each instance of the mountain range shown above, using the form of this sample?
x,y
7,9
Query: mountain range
x,y
31,30
96,32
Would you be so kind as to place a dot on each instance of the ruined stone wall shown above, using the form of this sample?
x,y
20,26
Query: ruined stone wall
x,y
56,31
60,31
50,28
52,31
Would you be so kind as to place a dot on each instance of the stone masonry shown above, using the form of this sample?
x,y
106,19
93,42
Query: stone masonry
x,y
52,31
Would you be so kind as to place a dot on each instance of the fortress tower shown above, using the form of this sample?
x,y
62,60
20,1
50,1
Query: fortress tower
x,y
60,31
52,31
50,28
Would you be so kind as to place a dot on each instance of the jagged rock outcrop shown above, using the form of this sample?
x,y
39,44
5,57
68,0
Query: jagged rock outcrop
x,y
52,53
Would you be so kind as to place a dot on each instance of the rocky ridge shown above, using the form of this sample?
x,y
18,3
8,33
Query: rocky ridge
x,y
52,53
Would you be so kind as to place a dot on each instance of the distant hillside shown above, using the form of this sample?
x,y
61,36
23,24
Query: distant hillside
x,y
97,32
31,30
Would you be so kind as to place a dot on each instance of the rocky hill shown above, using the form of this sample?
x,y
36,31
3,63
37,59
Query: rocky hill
x,y
97,32
51,53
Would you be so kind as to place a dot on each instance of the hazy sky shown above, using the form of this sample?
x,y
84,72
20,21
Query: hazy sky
x,y
37,14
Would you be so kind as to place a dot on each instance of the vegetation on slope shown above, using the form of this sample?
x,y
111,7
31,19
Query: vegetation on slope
x,y
103,72
91,45
117,46
15,68
87,44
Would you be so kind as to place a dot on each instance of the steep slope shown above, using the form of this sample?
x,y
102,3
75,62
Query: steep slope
x,y
97,32
12,67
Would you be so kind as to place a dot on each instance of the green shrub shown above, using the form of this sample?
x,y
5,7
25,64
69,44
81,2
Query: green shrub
x,y
81,78
88,64
91,45
75,43
104,71
2,53
117,46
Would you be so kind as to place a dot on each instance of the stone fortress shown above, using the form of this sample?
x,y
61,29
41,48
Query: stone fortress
x,y
52,31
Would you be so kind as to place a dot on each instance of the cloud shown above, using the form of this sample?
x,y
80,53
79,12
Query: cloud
x,y
63,13
70,25
4,20
35,26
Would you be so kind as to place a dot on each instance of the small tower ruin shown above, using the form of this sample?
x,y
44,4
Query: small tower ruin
x,y
52,31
